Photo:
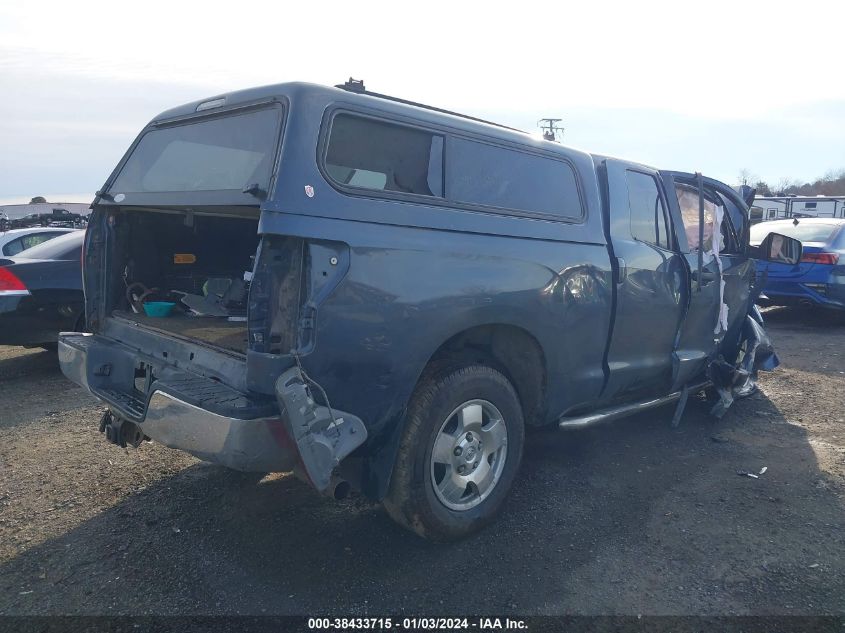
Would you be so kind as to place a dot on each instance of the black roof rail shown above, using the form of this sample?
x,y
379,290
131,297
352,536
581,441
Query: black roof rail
x,y
357,86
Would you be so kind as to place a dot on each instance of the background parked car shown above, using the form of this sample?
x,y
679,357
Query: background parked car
x,y
41,292
819,279
18,240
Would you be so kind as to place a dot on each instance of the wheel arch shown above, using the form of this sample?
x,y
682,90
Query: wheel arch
x,y
510,349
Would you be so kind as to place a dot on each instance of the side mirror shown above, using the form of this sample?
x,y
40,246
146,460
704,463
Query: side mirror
x,y
780,249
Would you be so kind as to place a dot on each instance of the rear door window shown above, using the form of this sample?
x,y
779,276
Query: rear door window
x,y
372,154
649,218
37,238
68,246
227,152
28,241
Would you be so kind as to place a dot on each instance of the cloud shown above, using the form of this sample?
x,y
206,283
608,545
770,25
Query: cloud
x,y
661,82
657,54
65,133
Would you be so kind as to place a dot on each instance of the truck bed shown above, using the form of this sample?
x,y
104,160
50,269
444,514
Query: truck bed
x,y
216,331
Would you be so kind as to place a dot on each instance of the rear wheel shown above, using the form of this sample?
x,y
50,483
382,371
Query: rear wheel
x,y
459,454
79,325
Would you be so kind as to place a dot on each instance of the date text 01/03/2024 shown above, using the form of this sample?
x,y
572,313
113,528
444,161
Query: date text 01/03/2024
x,y
416,624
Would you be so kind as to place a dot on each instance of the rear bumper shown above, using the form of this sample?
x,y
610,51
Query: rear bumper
x,y
796,293
106,369
24,322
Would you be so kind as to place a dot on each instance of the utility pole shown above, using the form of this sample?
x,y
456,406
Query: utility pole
x,y
549,127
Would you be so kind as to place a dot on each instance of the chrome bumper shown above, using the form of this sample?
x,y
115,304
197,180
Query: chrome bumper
x,y
250,445
256,445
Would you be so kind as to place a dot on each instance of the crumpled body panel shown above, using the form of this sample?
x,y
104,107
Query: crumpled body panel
x,y
739,380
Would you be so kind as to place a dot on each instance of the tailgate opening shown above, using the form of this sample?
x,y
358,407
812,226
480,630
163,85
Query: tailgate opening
x,y
200,263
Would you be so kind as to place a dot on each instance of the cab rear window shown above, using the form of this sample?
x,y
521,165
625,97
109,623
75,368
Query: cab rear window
x,y
227,152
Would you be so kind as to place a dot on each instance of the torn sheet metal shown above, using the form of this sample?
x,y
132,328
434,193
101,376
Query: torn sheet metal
x,y
740,379
323,436
715,249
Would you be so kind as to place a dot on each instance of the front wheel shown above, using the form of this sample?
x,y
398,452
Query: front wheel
x,y
459,454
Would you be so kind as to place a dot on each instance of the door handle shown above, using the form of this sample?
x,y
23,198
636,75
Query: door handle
x,y
623,269
706,277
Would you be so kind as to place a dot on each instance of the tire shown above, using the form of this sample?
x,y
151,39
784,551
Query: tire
x,y
425,494
79,325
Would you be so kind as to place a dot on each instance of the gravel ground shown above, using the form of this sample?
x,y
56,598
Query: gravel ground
x,y
628,518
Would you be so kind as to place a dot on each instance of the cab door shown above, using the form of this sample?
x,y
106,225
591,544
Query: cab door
x,y
651,284
726,280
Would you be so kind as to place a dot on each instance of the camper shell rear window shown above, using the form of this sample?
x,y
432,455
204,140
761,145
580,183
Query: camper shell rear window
x,y
365,155
226,152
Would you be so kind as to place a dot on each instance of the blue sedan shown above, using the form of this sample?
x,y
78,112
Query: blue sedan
x,y
819,278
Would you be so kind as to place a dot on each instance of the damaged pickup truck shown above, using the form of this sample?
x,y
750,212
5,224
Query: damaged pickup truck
x,y
374,293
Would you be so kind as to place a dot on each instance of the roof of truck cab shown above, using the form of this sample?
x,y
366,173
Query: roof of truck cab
x,y
324,96
598,158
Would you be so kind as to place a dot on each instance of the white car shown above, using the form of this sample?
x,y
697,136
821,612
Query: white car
x,y
17,240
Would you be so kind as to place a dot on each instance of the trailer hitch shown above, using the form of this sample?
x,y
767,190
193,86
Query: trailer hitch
x,y
120,431
323,436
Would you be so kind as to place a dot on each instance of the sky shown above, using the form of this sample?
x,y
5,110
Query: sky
x,y
715,87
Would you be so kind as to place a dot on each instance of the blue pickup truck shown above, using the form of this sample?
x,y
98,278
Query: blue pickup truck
x,y
375,293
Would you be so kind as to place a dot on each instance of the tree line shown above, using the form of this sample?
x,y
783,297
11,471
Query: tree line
x,y
831,184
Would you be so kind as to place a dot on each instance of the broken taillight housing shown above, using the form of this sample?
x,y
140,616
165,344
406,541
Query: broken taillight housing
x,y
10,284
820,258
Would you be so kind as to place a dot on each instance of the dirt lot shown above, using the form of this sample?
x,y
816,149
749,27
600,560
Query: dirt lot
x,y
629,518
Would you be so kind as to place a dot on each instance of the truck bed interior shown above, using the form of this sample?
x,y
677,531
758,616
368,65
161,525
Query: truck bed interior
x,y
202,263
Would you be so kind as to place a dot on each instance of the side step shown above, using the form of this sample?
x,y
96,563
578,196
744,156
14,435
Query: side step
x,y
624,410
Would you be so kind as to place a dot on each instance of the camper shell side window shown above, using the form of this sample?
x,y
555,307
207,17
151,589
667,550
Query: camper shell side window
x,y
368,155
511,179
364,153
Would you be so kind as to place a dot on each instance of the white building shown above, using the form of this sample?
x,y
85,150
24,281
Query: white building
x,y
779,207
